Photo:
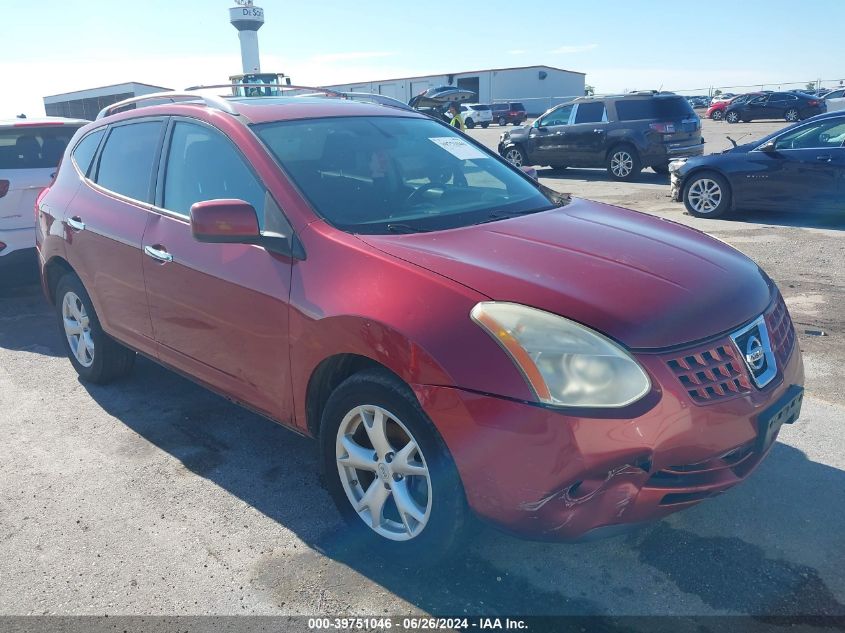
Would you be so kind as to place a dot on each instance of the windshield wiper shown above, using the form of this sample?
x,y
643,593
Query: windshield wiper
x,y
503,215
405,228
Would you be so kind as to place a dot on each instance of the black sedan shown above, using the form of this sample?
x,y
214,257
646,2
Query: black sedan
x,y
800,168
791,106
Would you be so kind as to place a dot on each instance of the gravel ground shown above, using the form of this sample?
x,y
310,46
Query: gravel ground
x,y
154,496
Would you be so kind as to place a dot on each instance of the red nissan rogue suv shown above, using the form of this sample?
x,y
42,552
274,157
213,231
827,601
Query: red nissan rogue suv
x,y
460,339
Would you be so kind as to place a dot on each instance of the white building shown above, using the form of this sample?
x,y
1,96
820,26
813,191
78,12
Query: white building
x,y
537,87
86,104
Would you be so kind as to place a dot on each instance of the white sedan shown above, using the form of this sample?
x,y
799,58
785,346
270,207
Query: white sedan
x,y
835,100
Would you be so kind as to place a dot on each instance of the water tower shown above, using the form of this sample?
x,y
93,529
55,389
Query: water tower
x,y
248,18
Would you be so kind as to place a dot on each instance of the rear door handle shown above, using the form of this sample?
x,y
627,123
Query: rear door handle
x,y
825,158
75,223
158,254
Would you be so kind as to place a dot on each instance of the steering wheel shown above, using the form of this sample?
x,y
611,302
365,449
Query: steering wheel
x,y
421,190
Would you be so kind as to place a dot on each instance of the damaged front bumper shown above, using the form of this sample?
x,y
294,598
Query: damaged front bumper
x,y
675,180
546,474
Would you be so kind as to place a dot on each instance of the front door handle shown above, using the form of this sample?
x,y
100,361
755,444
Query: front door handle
x,y
75,223
158,254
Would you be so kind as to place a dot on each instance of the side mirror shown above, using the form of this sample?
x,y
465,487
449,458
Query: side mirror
x,y
769,147
225,222
530,172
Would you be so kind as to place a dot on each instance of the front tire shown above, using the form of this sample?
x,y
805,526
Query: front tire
x,y
470,123
732,117
623,163
707,195
515,156
389,471
717,115
95,356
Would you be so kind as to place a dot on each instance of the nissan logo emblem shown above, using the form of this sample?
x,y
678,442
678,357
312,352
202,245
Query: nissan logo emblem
x,y
754,354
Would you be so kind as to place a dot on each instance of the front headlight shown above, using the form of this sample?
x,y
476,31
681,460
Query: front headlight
x,y
565,363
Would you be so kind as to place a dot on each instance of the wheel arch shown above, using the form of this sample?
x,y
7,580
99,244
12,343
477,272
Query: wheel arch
x,y
621,142
54,269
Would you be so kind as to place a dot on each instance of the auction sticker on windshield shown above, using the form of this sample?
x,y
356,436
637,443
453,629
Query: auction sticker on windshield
x,y
458,147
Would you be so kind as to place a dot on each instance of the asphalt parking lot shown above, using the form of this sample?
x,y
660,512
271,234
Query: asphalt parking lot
x,y
154,496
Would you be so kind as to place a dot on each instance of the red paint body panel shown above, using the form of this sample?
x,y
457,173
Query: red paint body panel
x,y
255,325
610,268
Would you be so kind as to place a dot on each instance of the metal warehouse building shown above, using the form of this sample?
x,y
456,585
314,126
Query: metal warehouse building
x,y
86,104
538,87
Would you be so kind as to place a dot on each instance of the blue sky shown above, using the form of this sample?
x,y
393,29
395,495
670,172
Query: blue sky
x,y
68,44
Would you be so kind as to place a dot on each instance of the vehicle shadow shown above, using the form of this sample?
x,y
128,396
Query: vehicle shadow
x,y
797,219
27,321
790,498
647,177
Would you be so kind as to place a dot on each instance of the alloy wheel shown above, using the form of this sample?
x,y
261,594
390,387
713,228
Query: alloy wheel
x,y
514,156
77,327
621,163
384,473
733,117
717,115
705,196
791,115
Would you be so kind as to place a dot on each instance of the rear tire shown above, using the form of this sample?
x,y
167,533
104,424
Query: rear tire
x,y
792,115
373,435
707,195
503,121
623,163
95,356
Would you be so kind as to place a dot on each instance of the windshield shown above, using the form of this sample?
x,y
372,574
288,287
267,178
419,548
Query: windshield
x,y
380,174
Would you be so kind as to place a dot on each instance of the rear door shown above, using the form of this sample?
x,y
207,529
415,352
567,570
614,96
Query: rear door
x,y
29,156
104,227
219,311
586,138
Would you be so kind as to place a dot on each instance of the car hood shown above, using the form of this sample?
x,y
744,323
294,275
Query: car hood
x,y
647,282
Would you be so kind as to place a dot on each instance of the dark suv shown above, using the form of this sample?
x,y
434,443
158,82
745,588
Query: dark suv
x,y
623,133
513,112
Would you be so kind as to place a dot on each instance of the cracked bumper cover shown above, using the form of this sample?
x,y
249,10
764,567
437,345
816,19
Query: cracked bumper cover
x,y
544,474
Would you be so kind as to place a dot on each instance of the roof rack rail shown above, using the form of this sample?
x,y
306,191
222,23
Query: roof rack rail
x,y
217,103
279,87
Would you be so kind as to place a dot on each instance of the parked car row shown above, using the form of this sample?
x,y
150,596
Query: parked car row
x,y
787,105
623,133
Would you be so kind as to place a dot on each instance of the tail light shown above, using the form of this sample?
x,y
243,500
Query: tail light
x,y
663,128
4,187
2,246
813,102
38,200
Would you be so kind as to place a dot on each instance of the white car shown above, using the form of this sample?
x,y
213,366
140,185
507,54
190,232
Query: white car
x,y
476,114
835,100
30,151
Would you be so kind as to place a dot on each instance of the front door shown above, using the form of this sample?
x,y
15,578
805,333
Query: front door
x,y
219,311
547,138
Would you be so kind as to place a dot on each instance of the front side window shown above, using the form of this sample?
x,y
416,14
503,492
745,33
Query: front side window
x,y
395,174
826,134
126,162
33,147
589,112
84,151
558,117
758,100
202,164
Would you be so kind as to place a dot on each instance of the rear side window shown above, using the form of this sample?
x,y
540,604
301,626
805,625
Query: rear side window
x,y
84,151
32,147
126,162
659,108
202,164
589,112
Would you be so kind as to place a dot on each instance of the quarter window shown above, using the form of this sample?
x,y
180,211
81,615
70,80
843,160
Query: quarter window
x,y
204,165
84,151
126,162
